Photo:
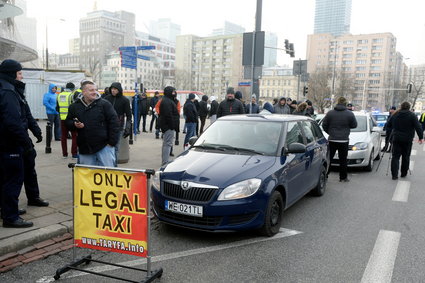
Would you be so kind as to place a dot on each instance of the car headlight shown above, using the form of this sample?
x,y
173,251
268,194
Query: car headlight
x,y
156,181
360,146
240,190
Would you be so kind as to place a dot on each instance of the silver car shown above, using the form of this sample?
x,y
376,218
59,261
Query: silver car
x,y
365,143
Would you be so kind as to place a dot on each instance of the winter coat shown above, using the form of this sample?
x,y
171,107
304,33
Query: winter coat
x,y
254,106
28,120
168,114
13,114
50,100
203,107
279,109
121,104
101,126
142,105
230,107
404,124
189,111
214,107
338,122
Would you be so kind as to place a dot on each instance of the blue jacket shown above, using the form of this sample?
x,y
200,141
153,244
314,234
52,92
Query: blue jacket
x,y
13,112
49,100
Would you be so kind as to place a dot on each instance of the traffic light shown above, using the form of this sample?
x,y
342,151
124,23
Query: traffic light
x,y
287,46
305,90
409,87
291,50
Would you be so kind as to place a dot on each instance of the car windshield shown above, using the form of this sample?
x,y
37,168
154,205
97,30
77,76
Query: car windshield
x,y
250,137
361,124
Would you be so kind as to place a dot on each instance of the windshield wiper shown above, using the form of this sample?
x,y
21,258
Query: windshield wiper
x,y
228,147
208,146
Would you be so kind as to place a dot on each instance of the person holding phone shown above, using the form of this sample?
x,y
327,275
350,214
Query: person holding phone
x,y
97,125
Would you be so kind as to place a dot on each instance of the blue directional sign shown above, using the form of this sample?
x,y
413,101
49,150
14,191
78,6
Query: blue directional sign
x,y
144,57
147,47
127,48
244,84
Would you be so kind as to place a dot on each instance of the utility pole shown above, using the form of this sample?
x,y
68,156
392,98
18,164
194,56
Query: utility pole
x,y
255,87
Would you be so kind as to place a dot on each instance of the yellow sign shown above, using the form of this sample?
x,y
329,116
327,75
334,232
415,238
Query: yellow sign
x,y
110,210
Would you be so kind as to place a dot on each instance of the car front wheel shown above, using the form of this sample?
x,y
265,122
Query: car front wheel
x,y
369,166
273,219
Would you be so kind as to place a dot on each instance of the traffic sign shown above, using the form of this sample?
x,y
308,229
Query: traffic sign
x,y
147,47
129,66
127,48
244,84
144,57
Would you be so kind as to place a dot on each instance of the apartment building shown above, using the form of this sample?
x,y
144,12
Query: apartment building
x,y
209,64
369,63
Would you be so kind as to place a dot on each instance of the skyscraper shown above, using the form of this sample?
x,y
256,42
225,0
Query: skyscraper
x,y
332,16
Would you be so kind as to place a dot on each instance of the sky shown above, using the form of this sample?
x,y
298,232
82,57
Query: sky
x,y
292,20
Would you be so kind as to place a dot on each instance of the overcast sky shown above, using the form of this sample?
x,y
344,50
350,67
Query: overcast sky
x,y
293,19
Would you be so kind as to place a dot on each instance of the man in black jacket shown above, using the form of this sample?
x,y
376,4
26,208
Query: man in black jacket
x,y
154,100
97,125
168,121
203,112
337,123
404,124
15,143
122,107
230,106
189,111
142,110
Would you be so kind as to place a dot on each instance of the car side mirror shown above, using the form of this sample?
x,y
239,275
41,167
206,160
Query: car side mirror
x,y
192,140
295,148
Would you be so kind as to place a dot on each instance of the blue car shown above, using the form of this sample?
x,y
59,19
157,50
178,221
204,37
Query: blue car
x,y
242,173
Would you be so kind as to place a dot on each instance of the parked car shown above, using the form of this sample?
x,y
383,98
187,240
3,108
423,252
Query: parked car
x,y
364,144
242,172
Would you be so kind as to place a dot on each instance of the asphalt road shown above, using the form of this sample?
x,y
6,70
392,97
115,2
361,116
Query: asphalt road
x,y
368,230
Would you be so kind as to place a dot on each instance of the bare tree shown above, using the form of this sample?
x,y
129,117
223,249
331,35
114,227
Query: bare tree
x,y
319,91
183,80
418,87
345,85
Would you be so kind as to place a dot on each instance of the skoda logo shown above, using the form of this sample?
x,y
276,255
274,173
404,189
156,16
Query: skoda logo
x,y
185,186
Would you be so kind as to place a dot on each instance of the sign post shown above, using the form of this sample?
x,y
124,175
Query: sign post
x,y
111,213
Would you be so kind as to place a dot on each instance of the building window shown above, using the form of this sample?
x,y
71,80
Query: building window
x,y
375,74
347,49
362,41
375,82
376,61
360,75
377,47
347,62
360,62
378,40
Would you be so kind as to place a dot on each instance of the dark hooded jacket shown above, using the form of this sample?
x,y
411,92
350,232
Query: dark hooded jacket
x,y
338,122
101,125
14,118
121,105
203,107
189,111
168,114
142,105
230,107
404,124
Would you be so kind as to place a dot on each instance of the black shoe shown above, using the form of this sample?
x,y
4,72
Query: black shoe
x,y
184,132
176,142
21,211
145,131
171,154
403,175
344,180
157,137
394,177
38,202
19,223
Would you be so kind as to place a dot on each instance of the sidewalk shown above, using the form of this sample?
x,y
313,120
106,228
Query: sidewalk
x,y
54,178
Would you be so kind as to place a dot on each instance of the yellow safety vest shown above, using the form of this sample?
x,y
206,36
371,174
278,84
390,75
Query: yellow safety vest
x,y
64,100
422,118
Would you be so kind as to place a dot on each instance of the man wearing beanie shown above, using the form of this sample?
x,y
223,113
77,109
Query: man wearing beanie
x,y
230,106
50,102
168,121
191,116
337,124
282,107
15,142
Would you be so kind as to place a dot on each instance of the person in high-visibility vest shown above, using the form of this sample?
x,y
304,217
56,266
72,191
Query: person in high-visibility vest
x,y
64,100
422,121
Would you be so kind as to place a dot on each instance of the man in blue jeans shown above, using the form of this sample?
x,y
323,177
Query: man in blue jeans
x,y
191,117
97,125
50,101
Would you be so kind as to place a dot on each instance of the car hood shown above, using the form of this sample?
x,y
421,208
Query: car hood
x,y
355,137
217,169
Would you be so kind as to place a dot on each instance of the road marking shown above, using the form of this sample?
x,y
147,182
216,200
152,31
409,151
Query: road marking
x,y
104,268
423,148
411,165
401,192
414,152
381,262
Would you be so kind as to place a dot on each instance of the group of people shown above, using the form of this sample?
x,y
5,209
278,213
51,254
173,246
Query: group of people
x,y
400,132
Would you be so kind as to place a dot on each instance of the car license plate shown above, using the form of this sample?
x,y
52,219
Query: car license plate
x,y
182,208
